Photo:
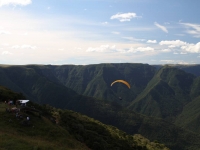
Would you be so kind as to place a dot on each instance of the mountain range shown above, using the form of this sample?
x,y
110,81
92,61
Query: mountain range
x,y
162,103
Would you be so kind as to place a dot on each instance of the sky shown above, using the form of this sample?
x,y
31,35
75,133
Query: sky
x,y
85,32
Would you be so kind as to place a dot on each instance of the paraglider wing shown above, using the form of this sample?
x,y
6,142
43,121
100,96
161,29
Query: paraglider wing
x,y
122,81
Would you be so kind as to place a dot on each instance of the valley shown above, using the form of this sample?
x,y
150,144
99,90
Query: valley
x,y
161,105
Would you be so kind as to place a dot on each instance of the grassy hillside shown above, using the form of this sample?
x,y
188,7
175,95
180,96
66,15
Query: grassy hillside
x,y
42,134
51,128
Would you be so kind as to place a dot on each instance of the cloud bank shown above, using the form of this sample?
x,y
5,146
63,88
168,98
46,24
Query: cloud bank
x,y
187,47
192,29
102,48
15,2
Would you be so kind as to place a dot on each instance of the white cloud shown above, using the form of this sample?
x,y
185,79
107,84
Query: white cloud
x,y
143,49
15,2
183,62
163,28
176,43
61,49
78,49
193,29
25,34
166,50
133,39
140,49
168,61
192,48
23,47
187,47
6,53
115,32
129,38
152,41
4,32
28,47
124,16
183,53
5,44
104,23
113,49
102,48
15,47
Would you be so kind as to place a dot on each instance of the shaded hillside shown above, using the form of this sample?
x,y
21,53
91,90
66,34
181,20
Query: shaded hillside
x,y
190,117
7,94
195,89
35,86
154,129
70,131
166,94
100,136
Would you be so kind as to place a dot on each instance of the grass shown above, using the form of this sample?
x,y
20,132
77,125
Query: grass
x,y
41,134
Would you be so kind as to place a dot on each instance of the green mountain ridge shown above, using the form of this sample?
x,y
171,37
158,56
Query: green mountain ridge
x,y
168,93
86,79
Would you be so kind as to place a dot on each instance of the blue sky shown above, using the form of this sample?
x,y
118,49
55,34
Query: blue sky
x,y
99,31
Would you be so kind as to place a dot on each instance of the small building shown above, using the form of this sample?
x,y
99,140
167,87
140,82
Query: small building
x,y
23,102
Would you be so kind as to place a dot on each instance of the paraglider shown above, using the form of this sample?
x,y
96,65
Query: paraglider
x,y
122,81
